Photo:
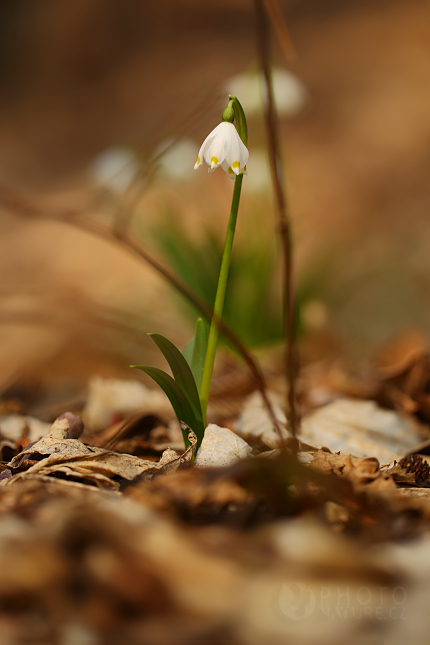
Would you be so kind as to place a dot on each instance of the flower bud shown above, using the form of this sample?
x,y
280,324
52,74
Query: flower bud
x,y
228,114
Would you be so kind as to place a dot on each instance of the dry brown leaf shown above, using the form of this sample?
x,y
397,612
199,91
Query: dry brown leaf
x,y
362,473
136,570
196,494
400,474
60,456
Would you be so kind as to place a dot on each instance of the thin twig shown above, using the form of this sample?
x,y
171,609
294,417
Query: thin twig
x,y
284,228
123,239
281,29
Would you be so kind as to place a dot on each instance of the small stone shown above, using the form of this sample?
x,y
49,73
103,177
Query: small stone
x,y
76,425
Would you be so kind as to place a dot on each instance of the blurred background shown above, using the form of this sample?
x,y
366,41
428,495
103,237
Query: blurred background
x,y
104,104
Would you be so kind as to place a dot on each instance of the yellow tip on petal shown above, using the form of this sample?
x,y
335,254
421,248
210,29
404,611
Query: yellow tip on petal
x,y
235,164
230,172
244,168
197,164
214,161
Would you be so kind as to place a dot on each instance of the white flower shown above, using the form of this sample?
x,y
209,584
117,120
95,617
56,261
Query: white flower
x,y
224,147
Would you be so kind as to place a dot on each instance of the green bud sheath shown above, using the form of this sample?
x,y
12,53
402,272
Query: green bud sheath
x,y
239,115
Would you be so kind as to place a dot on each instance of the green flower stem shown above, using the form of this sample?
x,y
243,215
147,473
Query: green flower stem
x,y
219,298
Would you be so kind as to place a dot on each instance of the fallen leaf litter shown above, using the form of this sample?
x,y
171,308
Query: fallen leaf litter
x,y
105,547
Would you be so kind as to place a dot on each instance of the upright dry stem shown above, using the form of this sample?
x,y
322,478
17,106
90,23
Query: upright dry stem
x,y
284,228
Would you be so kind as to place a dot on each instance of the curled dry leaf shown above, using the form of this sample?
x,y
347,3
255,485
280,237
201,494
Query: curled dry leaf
x,y
362,473
400,474
221,447
58,455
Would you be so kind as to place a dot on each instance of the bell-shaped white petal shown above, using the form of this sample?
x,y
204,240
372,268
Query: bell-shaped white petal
x,y
224,147
228,169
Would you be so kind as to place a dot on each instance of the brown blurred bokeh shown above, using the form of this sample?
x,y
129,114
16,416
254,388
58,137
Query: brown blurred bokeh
x,y
78,77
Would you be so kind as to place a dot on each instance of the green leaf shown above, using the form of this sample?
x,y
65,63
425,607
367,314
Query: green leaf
x,y
181,372
195,352
180,403
188,353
